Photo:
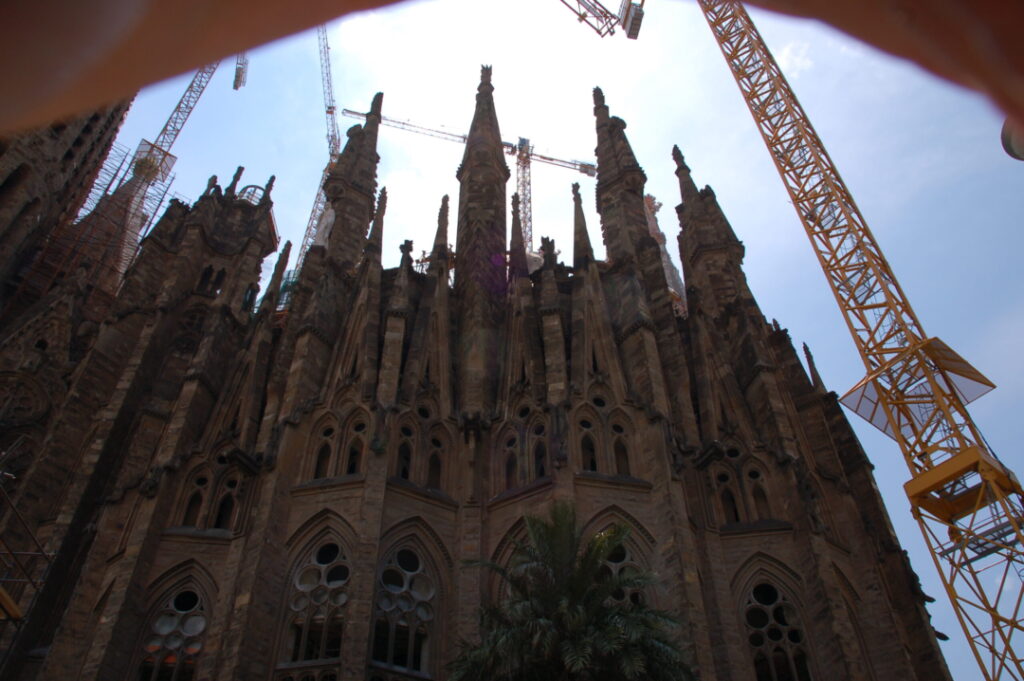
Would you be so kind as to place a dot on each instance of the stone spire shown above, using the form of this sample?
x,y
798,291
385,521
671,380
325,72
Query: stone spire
x,y
812,371
376,239
439,253
700,206
480,279
620,185
517,266
351,186
582,252
273,293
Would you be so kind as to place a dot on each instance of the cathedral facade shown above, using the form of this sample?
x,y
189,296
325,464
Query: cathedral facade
x,y
225,489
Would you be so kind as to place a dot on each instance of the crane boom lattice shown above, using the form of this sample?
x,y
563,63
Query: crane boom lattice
x,y
333,143
967,503
176,121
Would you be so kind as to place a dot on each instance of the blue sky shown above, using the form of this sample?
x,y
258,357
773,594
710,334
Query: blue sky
x,y
921,157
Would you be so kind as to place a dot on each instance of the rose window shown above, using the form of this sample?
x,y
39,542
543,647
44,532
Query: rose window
x,y
174,638
404,613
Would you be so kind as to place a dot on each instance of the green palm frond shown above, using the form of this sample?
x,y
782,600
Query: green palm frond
x,y
560,620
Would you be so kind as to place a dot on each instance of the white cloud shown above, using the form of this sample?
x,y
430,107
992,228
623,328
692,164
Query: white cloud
x,y
794,60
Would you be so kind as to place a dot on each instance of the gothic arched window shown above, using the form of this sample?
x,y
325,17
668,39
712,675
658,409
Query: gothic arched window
x,y
404,613
355,455
323,461
776,636
434,472
621,562
508,464
354,446
589,452
316,607
173,638
404,469
540,460
761,503
621,457
730,510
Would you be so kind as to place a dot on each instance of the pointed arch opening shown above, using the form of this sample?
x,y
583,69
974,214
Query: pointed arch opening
x,y
540,460
225,513
315,606
510,471
589,453
192,509
434,472
355,455
730,510
761,505
322,466
404,464
621,457
775,635
174,634
406,603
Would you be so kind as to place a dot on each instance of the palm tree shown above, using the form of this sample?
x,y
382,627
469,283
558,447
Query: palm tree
x,y
566,616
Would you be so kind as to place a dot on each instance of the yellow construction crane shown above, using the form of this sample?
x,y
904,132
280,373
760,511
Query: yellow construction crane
x,y
522,150
967,503
333,145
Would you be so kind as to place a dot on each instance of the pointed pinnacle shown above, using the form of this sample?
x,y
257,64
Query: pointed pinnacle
x,y
517,265
376,238
582,252
813,370
230,191
687,188
440,250
274,287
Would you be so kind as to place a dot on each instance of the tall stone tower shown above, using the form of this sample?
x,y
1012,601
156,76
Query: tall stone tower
x,y
241,492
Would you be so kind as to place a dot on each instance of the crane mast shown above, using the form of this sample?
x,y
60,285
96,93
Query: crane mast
x,y
967,503
522,150
333,143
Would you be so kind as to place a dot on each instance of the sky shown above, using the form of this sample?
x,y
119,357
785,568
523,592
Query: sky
x,y
921,157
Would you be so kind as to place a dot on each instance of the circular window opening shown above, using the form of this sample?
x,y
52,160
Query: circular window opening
x,y
327,553
407,560
328,432
538,429
774,634
599,401
732,453
222,459
337,575
406,431
231,484
524,412
754,475
722,477
201,481
511,442
435,442
765,594
617,555
584,423
393,580
186,601
756,639
618,429
423,412
795,636
359,427
757,618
